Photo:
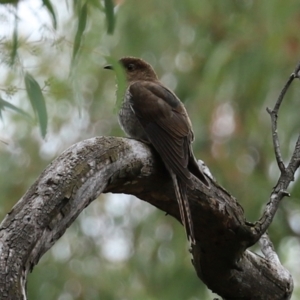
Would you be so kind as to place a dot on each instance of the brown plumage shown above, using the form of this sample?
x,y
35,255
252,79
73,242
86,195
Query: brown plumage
x,y
151,112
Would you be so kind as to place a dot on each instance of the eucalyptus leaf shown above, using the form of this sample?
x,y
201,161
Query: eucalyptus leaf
x,y
50,8
80,30
14,43
110,16
37,100
120,78
4,104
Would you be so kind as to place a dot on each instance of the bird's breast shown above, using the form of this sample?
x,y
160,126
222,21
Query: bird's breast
x,y
129,122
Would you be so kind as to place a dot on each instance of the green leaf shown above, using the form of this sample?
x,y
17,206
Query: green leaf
x,y
9,1
121,80
110,16
4,104
37,101
80,30
14,43
49,6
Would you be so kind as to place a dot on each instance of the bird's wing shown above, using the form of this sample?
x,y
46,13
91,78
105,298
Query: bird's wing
x,y
165,121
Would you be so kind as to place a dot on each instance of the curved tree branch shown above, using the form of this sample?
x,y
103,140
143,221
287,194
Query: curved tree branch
x,y
107,164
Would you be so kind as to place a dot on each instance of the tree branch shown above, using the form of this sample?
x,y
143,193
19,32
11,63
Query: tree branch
x,y
106,164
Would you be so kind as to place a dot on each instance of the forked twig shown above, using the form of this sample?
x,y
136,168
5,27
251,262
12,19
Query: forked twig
x,y
287,173
274,115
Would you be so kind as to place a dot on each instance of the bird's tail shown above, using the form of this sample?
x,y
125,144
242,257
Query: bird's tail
x,y
184,207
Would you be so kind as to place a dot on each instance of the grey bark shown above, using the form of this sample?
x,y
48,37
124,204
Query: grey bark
x,y
109,164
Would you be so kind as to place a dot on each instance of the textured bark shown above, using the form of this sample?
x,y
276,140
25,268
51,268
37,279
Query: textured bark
x,y
107,164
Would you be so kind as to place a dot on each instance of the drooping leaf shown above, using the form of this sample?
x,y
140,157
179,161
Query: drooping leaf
x,y
14,43
9,1
37,101
4,104
49,6
80,30
110,16
120,78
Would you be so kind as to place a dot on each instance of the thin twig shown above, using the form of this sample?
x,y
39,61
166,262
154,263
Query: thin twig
x,y
295,160
287,173
274,115
275,139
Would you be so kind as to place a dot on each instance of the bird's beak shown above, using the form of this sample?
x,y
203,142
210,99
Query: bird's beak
x,y
109,67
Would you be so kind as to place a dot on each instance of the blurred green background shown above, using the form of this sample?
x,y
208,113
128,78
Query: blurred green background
x,y
226,60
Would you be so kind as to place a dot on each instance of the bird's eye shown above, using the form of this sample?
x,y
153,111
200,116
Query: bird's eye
x,y
130,67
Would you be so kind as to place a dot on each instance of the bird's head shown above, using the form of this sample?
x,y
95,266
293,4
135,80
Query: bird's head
x,y
136,69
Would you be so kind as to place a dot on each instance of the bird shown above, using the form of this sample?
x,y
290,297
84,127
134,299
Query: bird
x,y
152,113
